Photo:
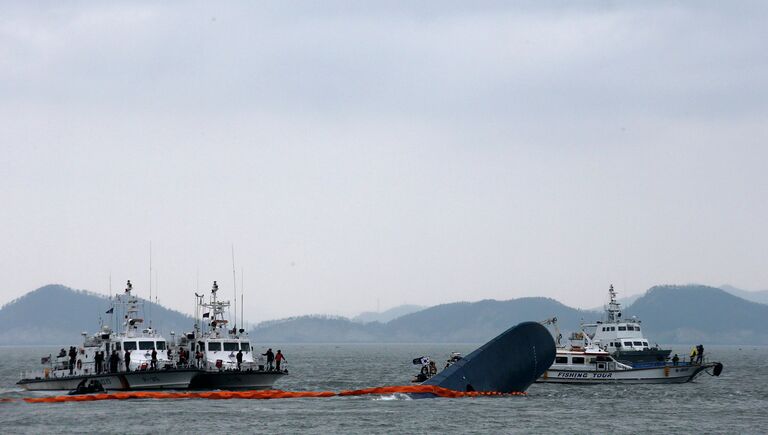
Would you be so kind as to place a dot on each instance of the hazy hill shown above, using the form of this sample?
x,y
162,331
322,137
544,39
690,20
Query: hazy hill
x,y
700,314
759,296
317,329
386,316
456,322
479,321
56,314
670,314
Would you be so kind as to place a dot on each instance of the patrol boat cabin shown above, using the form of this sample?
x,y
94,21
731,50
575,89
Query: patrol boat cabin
x,y
622,338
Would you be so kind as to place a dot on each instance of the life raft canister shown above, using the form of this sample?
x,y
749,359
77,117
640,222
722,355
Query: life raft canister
x,y
79,364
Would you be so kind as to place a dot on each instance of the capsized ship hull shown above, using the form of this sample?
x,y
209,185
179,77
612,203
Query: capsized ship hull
x,y
509,363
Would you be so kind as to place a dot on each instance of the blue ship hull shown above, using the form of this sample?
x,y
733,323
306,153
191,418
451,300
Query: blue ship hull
x,y
509,363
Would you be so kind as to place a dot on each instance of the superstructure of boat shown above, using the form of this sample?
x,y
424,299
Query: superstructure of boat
x,y
219,348
621,337
69,369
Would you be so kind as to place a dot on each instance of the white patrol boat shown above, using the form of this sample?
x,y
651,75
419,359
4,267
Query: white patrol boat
x,y
102,358
593,365
621,337
226,357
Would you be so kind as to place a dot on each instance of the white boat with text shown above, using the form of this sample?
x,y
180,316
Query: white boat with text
x,y
593,365
101,359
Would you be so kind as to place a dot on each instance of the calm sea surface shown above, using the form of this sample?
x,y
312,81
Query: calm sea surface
x,y
736,402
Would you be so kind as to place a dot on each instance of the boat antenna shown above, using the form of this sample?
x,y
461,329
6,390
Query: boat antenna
x,y
242,291
150,283
111,303
157,285
234,283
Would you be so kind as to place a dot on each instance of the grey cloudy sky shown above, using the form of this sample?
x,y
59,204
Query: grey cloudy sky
x,y
419,152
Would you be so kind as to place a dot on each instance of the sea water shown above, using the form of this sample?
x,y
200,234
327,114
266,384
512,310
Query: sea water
x,y
735,402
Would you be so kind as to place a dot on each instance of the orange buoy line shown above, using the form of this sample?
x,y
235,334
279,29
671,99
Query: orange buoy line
x,y
267,394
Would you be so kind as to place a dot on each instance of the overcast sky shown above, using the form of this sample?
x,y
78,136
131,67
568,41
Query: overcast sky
x,y
414,152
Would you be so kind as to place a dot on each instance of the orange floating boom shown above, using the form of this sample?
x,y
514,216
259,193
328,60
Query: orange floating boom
x,y
268,394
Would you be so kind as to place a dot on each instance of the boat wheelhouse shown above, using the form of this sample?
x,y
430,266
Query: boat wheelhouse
x,y
622,338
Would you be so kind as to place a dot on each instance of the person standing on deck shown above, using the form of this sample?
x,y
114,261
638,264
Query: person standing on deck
x,y
239,359
278,358
153,361
693,354
270,358
72,358
127,360
97,359
114,360
700,353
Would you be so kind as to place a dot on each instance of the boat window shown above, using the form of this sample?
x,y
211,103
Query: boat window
x,y
117,346
578,360
630,328
245,346
613,328
146,345
229,347
212,346
160,345
130,345
618,344
637,343
628,343
601,366
637,328
645,343
561,360
622,328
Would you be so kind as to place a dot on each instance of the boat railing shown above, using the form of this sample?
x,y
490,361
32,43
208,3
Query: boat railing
x,y
670,363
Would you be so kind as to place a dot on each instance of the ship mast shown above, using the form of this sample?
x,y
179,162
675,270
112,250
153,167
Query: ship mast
x,y
131,303
216,309
614,307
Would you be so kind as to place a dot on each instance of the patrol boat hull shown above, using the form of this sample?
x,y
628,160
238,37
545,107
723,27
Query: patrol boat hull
x,y
663,374
124,381
235,380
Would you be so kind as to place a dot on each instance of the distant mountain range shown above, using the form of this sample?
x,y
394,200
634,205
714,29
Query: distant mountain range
x,y
688,314
386,316
56,314
759,296
670,314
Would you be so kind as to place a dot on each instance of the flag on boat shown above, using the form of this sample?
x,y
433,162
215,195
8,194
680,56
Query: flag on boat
x,y
423,360
45,359
111,310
